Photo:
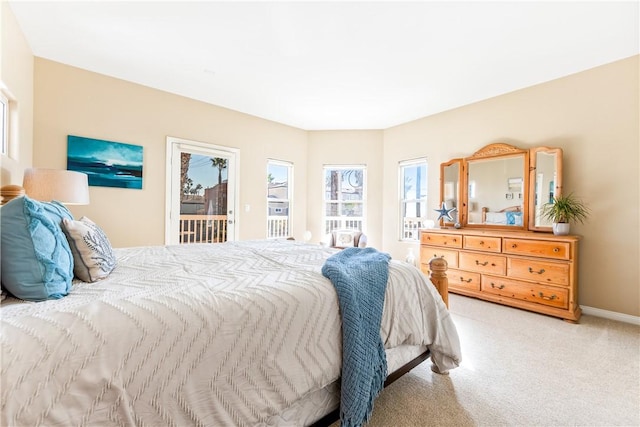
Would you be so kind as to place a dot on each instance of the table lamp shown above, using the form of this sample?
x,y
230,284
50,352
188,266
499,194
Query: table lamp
x,y
65,186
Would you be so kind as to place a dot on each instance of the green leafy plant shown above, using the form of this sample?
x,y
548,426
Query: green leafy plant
x,y
566,209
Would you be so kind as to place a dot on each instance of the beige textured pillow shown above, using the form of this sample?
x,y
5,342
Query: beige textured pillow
x,y
93,257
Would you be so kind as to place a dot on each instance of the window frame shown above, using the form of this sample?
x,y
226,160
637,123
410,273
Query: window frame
x,y
270,224
408,231
5,104
344,222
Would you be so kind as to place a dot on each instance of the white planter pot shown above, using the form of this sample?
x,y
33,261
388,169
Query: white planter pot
x,y
561,228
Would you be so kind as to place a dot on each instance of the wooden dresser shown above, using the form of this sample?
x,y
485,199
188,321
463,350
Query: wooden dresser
x,y
528,270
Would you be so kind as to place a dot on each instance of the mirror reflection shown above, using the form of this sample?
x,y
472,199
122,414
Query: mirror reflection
x,y
496,193
546,181
451,188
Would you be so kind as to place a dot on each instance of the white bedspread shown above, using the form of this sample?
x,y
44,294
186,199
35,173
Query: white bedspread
x,y
229,334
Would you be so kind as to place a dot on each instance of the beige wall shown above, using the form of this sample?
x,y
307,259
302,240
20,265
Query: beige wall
x,y
594,116
16,73
71,101
354,147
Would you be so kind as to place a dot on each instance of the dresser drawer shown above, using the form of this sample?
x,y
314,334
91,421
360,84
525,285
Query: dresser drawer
x,y
532,292
482,263
460,279
540,271
481,243
451,256
439,239
539,248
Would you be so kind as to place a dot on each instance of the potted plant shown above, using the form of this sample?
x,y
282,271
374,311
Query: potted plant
x,y
563,211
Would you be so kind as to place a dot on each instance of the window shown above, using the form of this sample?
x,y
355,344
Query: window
x,y
413,198
4,123
344,201
279,184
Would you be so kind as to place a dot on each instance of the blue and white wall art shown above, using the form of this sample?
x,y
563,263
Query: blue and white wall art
x,y
107,164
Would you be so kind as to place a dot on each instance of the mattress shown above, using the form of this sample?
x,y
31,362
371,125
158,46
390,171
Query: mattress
x,y
229,334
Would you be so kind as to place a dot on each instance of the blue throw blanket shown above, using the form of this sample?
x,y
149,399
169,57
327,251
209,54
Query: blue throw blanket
x,y
360,278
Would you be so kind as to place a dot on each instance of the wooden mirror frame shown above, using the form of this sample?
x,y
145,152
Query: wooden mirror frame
x,y
534,207
529,175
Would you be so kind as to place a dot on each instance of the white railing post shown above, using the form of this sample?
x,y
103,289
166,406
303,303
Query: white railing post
x,y
411,227
338,223
277,226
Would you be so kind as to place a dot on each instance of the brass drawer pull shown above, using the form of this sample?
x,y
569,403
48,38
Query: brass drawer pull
x,y
482,263
463,280
551,298
514,246
498,287
556,249
531,270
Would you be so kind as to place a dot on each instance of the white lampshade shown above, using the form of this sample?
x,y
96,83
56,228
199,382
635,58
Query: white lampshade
x,y
64,186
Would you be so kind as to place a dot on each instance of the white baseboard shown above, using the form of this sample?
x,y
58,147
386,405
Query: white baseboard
x,y
613,315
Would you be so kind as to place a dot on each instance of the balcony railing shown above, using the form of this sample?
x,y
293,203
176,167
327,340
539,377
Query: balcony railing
x,y
277,226
213,228
411,228
203,228
342,223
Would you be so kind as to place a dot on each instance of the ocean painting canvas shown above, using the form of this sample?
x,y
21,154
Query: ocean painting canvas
x,y
107,163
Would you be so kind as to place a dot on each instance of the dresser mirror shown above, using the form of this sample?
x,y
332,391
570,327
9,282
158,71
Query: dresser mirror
x,y
546,179
502,187
497,177
450,173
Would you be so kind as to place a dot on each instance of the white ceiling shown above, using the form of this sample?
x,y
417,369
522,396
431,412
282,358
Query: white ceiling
x,y
333,65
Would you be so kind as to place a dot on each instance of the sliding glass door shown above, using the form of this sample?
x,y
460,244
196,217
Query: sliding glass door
x,y
201,189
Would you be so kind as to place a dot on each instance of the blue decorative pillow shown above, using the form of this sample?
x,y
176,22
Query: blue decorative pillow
x,y
514,218
37,263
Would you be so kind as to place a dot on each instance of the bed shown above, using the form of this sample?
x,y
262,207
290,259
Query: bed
x,y
242,333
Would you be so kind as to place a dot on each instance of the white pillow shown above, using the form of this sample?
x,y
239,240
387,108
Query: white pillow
x,y
93,255
496,218
344,240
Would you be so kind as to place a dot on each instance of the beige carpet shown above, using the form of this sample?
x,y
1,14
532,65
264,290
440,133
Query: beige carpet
x,y
523,369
